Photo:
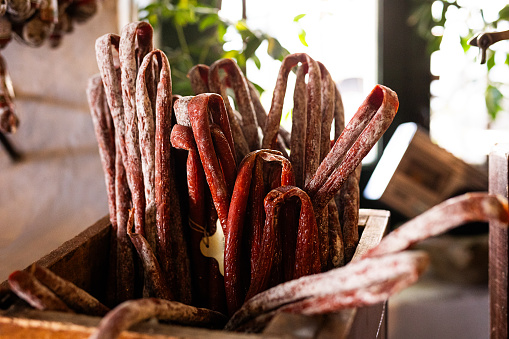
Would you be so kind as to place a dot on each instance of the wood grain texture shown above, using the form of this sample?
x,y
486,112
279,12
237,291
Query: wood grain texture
x,y
498,248
86,252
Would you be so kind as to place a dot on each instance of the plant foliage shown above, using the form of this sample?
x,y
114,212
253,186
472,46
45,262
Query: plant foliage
x,y
428,15
193,32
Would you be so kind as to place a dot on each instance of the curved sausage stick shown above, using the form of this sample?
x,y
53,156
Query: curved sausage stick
x,y
110,75
154,279
111,79
181,112
379,291
28,288
198,75
146,129
199,115
182,138
299,123
134,311
149,137
105,135
171,246
241,144
208,283
307,259
360,135
255,214
441,218
271,128
236,229
210,287
336,238
361,276
76,298
328,102
308,142
240,87
349,201
271,256
348,198
219,115
125,271
358,297
235,292
285,177
283,138
314,120
135,43
225,156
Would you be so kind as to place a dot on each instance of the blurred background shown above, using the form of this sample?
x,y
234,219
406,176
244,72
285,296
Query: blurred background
x,y
52,185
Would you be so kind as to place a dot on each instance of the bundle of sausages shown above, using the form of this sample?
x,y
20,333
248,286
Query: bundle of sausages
x,y
215,224
186,172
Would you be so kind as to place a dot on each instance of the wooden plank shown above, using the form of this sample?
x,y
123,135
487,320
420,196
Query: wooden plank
x,y
48,324
370,321
498,245
87,256
375,229
83,259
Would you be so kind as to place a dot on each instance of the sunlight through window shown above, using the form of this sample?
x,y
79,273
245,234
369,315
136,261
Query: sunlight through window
x,y
340,34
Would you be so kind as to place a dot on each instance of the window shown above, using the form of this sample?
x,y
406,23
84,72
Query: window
x,y
340,34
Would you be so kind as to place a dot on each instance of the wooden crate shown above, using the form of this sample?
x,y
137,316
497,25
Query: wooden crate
x,y
83,260
415,174
498,270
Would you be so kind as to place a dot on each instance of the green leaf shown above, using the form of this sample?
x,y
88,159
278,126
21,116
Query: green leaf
x,y
251,46
298,17
221,30
504,13
302,37
493,101
152,7
464,44
491,60
434,44
275,50
241,26
183,4
241,60
256,61
208,21
153,19
258,88
231,54
168,12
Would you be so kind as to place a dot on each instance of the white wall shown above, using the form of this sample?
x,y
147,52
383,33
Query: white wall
x,y
58,188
